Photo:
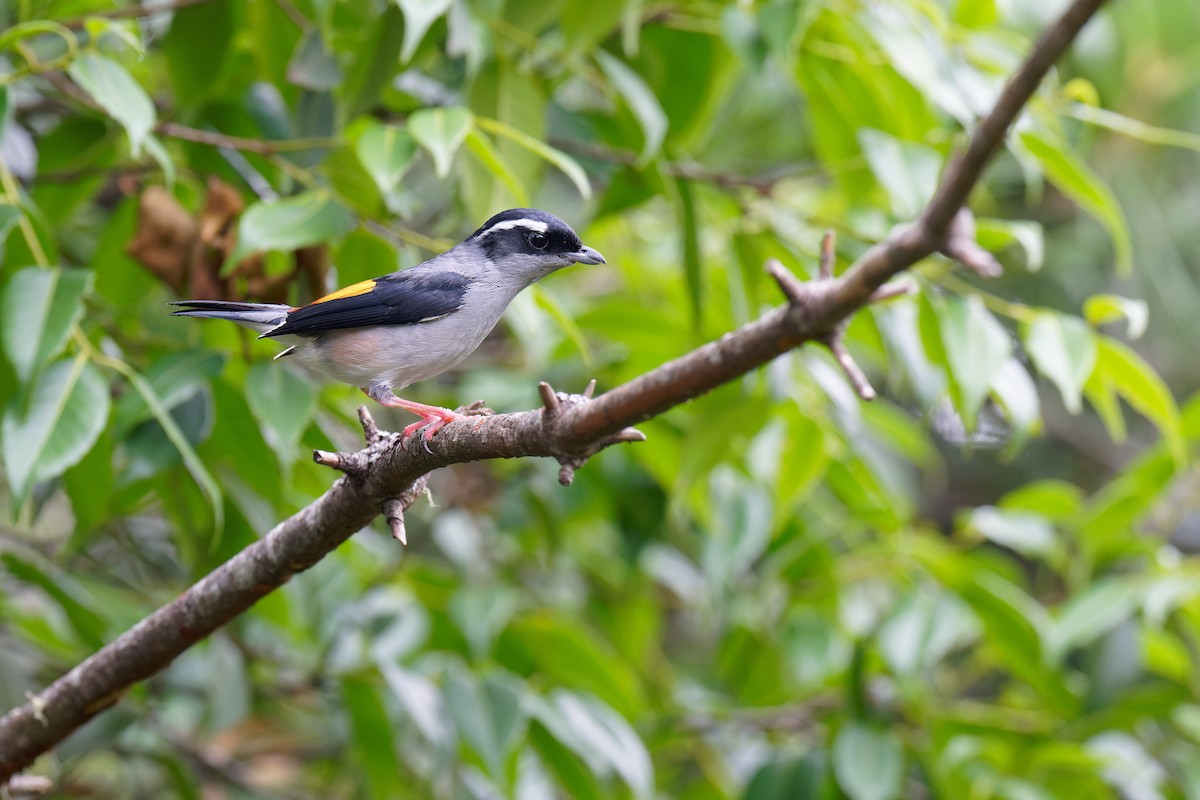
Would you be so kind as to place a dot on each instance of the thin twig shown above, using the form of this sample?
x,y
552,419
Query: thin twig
x,y
262,147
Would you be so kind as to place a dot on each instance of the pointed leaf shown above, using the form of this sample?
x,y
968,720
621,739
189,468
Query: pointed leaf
x,y
312,65
282,401
441,131
1076,179
118,93
494,162
386,152
868,762
640,100
1141,387
37,310
598,735
1064,350
371,733
1101,309
289,224
1028,533
419,16
196,46
66,411
1095,611
977,348
569,166
907,171
488,716
375,63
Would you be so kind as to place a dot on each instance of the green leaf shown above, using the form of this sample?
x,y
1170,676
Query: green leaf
x,y
194,465
908,172
79,608
1101,607
598,735
1076,180
174,378
977,348
117,93
10,217
1135,129
376,63
1052,499
788,778
572,656
67,409
487,715
1141,387
1027,533
37,310
997,234
566,322
569,166
419,16
927,624
496,164
640,100
283,402
1017,394
1064,350
690,241
196,46
386,152
1101,309
290,224
374,748
312,65
362,255
1102,394
441,131
868,761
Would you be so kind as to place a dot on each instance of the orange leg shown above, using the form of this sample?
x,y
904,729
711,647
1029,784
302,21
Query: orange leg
x,y
435,417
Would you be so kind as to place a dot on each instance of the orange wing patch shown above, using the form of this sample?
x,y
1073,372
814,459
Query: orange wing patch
x,y
353,290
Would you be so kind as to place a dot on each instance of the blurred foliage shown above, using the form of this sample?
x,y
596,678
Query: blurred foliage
x,y
978,586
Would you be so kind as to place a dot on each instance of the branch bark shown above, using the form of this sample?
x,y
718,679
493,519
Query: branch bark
x,y
570,428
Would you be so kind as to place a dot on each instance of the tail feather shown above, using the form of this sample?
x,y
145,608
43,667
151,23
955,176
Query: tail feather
x,y
261,317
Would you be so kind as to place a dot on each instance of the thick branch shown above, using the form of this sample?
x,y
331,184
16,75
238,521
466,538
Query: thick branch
x,y
569,428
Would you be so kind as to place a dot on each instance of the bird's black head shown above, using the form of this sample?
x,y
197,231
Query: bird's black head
x,y
529,237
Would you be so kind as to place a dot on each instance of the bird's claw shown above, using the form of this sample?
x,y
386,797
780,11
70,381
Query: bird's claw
x,y
431,424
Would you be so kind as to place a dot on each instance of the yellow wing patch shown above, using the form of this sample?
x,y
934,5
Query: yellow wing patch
x,y
353,290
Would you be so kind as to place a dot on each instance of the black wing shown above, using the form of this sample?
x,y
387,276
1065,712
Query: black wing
x,y
403,298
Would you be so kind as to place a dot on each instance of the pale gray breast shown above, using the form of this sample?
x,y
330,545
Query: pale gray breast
x,y
399,355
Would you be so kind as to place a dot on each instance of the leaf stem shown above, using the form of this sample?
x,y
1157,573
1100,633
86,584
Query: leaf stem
x,y
13,195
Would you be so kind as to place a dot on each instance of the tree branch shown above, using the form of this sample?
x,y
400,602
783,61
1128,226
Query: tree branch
x,y
569,427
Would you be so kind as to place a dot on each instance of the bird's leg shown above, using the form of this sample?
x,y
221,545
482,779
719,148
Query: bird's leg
x,y
435,417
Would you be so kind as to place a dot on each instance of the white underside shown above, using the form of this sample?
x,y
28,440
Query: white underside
x,y
399,355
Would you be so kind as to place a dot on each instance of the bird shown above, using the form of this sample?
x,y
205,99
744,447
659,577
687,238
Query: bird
x,y
387,333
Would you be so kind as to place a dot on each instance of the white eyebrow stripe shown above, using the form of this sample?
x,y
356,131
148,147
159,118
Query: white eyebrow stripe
x,y
509,224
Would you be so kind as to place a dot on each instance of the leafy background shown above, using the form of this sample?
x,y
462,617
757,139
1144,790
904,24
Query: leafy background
x,y
981,585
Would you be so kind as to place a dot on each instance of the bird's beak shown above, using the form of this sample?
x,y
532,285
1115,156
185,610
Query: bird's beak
x,y
587,255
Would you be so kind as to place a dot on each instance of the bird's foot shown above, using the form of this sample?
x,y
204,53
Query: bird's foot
x,y
432,418
432,423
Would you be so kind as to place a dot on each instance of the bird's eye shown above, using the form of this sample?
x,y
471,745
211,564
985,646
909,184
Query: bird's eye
x,y
538,241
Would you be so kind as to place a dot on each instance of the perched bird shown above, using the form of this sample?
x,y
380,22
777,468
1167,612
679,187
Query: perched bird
x,y
384,334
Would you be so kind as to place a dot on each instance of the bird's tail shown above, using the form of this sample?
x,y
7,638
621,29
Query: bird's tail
x,y
262,317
